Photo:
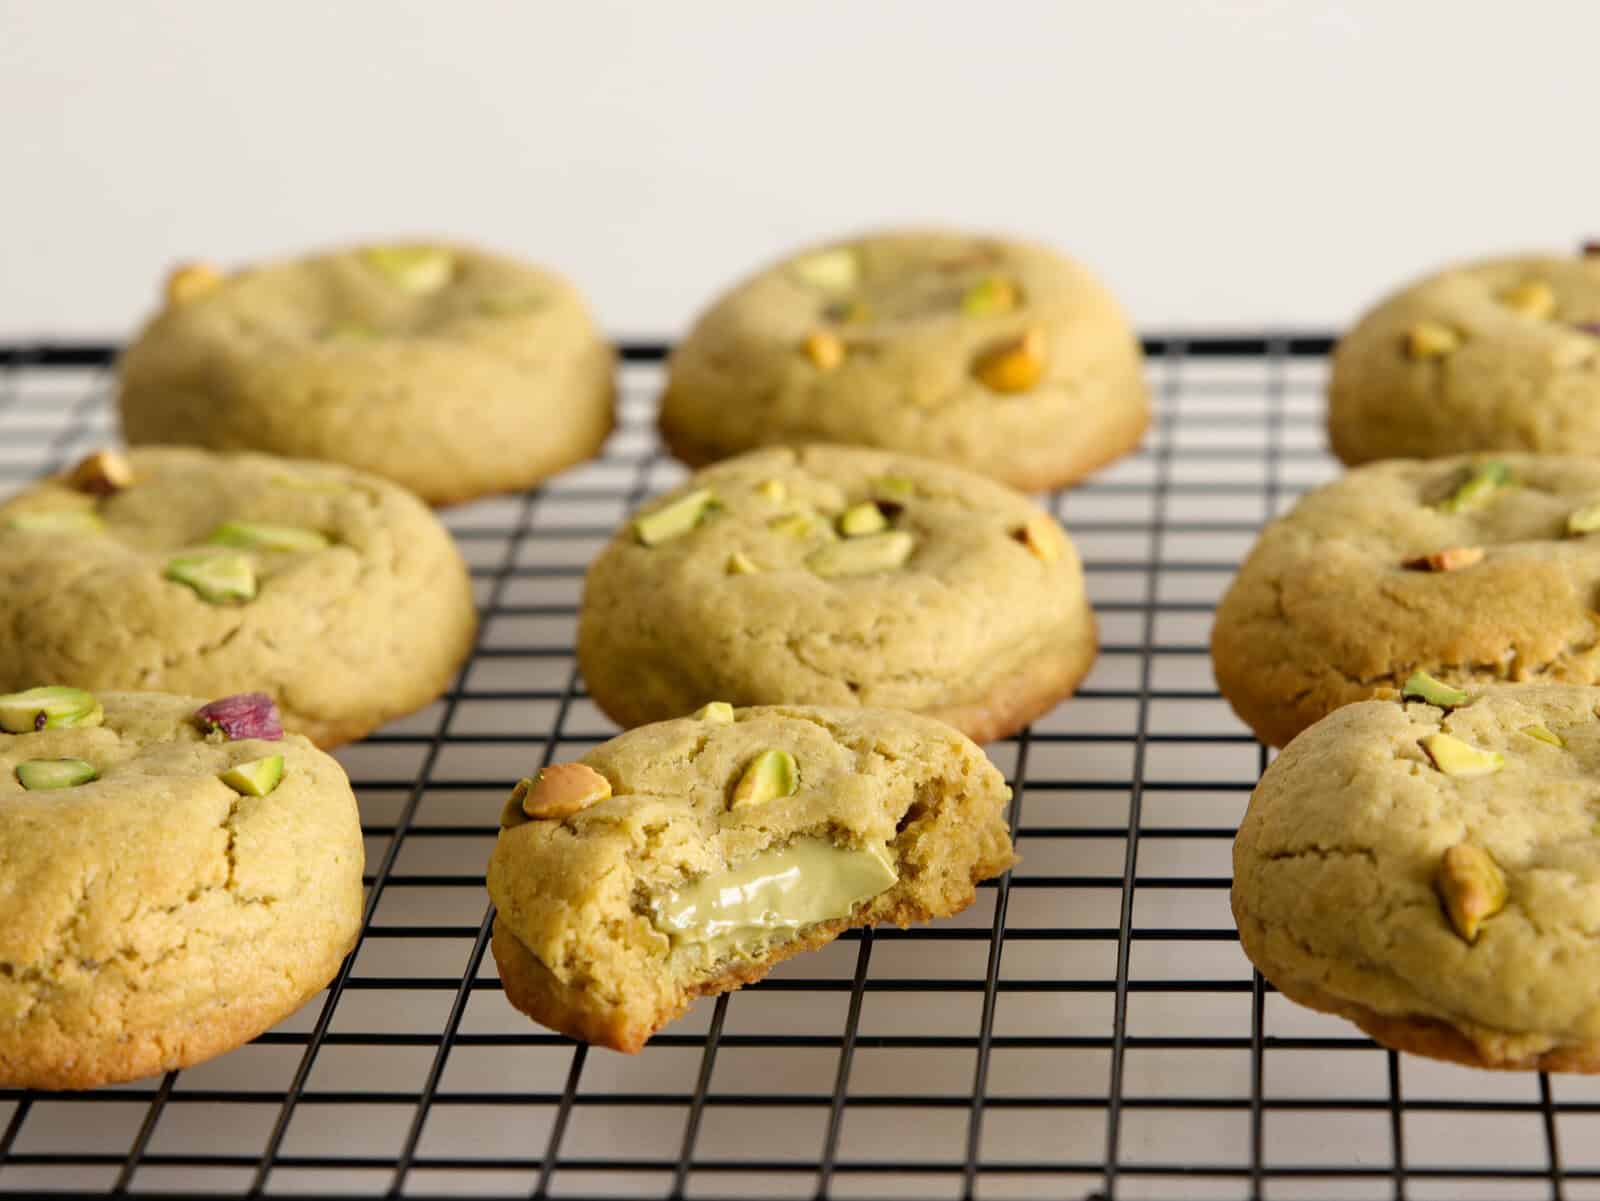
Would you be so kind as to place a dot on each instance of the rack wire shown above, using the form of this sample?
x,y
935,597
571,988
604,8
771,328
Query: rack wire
x,y
1088,1029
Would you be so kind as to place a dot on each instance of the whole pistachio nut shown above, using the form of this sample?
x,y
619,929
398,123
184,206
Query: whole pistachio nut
x,y
1424,687
1013,366
674,519
561,790
245,715
867,555
217,577
255,535
52,706
770,775
40,775
1431,340
1477,487
415,269
258,777
1456,758
102,473
1472,886
64,522
834,270
190,281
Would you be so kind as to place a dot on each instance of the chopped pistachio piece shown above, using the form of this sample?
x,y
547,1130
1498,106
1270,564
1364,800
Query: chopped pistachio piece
x,y
740,563
770,775
252,535
794,525
718,713
894,487
1531,299
1477,488
258,777
824,349
190,281
415,269
1585,520
1042,537
1472,886
1542,733
865,518
53,706
773,490
57,521
561,790
243,715
676,518
866,555
991,294
40,775
1456,758
835,270
1014,367
1435,692
218,576
102,473
1431,340
1451,558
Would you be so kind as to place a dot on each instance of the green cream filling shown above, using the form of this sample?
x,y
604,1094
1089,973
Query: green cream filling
x,y
770,896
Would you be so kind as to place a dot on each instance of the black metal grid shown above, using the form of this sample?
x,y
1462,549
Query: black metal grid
x,y
1088,1028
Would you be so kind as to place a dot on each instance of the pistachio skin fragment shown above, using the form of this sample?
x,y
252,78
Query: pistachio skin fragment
x,y
245,715
561,790
1478,488
102,473
53,706
867,555
1424,687
1472,886
41,775
258,777
1456,758
718,713
1543,733
1431,340
772,774
216,578
675,519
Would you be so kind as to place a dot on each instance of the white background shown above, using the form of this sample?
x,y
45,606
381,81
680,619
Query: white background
x,y
1222,165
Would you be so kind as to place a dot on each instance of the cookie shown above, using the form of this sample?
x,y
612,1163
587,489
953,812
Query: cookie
x,y
837,576
451,371
688,858
999,356
1502,354
1473,570
1432,873
177,880
186,571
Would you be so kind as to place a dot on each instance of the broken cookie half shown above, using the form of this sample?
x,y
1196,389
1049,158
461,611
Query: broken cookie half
x,y
689,857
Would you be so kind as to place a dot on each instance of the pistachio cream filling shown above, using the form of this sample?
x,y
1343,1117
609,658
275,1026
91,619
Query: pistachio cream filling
x,y
770,896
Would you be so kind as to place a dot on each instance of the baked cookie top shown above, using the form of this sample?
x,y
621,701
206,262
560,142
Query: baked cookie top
x,y
1472,569
1435,873
1001,356
829,575
1499,354
446,368
177,878
683,857
185,570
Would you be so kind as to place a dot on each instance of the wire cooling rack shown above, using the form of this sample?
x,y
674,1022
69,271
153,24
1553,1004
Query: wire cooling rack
x,y
1089,1028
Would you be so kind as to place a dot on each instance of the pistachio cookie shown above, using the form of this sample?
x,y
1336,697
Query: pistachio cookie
x,y
838,576
178,877
1432,873
451,371
1003,357
688,858
1474,570
181,570
1502,354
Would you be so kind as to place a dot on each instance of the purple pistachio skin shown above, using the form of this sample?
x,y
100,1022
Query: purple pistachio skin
x,y
247,715
1589,327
